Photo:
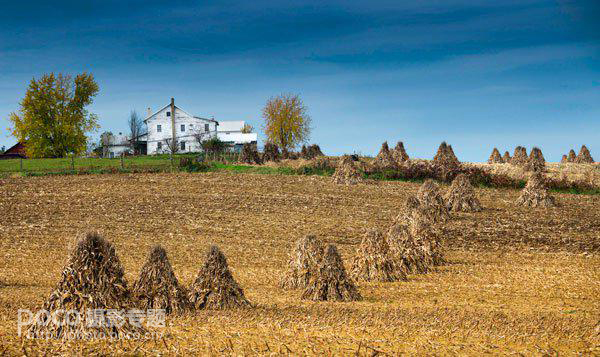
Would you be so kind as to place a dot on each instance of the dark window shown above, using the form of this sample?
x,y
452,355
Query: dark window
x,y
183,145
168,114
206,127
158,128
182,127
159,145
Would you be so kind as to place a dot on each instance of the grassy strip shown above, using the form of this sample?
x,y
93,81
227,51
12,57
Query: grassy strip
x,y
263,170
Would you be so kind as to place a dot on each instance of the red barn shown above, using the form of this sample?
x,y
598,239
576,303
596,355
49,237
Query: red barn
x,y
14,152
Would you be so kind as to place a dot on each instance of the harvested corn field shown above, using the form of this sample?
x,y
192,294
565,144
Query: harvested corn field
x,y
516,279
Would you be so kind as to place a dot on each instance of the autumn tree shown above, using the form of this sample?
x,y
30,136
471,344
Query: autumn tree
x,y
247,128
287,122
52,118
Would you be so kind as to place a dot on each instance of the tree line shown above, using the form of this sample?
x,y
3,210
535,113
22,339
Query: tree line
x,y
54,121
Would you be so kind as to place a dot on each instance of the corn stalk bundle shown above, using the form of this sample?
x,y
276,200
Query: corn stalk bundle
x,y
303,262
536,161
495,157
506,157
331,283
408,256
461,196
572,156
271,152
346,172
427,236
429,240
384,159
584,156
314,151
535,193
431,203
250,155
399,153
157,287
93,279
373,260
215,287
304,152
519,157
445,156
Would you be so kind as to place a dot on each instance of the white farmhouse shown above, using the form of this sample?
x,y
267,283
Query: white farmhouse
x,y
173,122
117,145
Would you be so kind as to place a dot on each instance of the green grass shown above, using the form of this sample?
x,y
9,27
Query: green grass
x,y
87,164
162,163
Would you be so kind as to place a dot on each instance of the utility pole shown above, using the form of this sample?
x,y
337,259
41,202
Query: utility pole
x,y
173,130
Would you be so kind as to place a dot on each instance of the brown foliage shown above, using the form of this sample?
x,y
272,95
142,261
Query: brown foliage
x,y
250,155
270,152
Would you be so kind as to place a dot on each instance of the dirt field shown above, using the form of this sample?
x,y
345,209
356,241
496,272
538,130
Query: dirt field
x,y
518,280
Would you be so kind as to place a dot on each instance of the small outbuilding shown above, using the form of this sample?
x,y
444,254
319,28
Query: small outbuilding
x,y
15,152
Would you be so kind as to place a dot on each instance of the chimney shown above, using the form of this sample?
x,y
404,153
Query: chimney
x,y
173,140
149,112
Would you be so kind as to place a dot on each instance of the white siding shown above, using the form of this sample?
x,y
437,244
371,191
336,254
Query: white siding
x,y
192,124
231,132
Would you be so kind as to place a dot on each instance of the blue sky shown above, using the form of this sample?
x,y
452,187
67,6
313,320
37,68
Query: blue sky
x,y
477,74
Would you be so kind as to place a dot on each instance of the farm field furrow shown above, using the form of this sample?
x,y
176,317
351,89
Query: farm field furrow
x,y
517,280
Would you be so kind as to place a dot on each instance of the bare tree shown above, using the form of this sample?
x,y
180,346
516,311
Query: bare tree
x,y
135,130
171,146
106,140
201,136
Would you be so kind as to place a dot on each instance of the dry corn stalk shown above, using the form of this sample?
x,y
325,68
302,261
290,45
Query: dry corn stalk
x,y
215,287
373,260
304,260
461,196
330,282
157,286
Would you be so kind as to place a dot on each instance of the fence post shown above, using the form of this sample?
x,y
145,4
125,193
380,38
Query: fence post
x,y
171,159
73,162
122,161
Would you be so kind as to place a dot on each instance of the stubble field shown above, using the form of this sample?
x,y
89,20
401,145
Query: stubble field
x,y
518,280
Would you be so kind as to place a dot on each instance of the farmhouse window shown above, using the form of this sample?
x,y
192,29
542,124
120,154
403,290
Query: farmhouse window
x,y
159,145
183,145
182,127
158,128
206,127
168,114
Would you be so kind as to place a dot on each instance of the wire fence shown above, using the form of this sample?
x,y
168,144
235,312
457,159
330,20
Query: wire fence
x,y
123,163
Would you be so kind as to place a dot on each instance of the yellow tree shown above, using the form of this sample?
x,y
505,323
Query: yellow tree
x,y
287,122
52,118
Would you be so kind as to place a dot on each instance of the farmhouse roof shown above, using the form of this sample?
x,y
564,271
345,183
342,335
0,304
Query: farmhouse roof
x,y
168,105
15,151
